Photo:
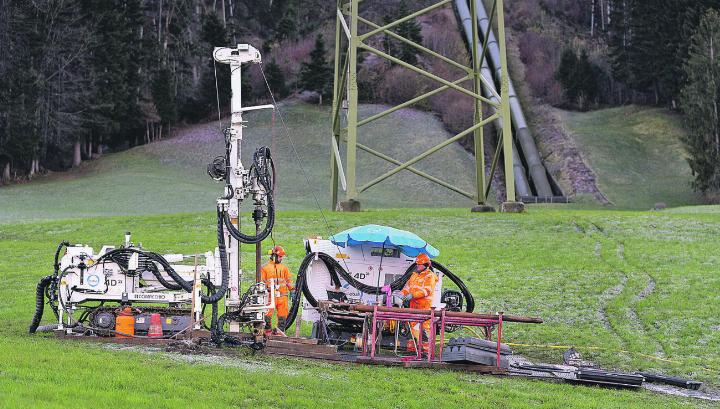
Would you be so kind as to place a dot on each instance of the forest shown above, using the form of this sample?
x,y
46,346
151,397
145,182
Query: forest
x,y
83,77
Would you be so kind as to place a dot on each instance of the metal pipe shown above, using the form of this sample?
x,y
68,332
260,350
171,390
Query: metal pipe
x,y
532,156
437,313
522,186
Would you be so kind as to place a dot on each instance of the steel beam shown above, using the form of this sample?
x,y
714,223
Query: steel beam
x,y
478,143
426,153
411,102
505,104
352,113
345,96
425,73
416,171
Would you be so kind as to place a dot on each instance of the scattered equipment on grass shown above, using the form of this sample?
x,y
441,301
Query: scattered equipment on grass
x,y
128,294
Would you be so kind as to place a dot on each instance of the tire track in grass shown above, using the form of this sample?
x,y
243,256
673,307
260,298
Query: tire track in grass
x,y
617,311
611,292
621,310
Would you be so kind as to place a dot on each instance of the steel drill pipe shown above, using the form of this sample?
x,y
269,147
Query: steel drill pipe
x,y
438,313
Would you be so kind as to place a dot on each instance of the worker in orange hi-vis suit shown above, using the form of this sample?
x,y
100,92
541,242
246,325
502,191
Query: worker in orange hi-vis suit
x,y
419,290
282,288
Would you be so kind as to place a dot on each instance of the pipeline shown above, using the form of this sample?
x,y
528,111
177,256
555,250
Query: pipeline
x,y
522,186
537,170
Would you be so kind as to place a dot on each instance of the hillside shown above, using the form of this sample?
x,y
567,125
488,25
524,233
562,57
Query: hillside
x,y
169,176
636,154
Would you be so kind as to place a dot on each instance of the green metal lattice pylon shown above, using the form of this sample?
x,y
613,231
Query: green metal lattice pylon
x,y
349,40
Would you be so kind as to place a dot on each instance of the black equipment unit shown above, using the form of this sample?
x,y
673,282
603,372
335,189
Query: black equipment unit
x,y
476,351
599,377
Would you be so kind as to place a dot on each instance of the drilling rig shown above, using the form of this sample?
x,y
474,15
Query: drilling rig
x,y
90,291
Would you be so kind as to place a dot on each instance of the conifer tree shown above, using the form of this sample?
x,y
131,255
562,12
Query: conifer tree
x,y
213,35
701,104
316,74
411,30
276,79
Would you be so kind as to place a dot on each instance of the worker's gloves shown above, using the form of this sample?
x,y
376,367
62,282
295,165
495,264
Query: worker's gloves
x,y
292,294
407,297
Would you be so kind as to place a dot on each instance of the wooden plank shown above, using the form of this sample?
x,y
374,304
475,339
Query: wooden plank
x,y
304,354
378,360
294,340
292,347
112,340
455,367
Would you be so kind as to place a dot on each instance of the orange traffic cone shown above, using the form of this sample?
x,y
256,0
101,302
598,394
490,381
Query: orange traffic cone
x,y
155,326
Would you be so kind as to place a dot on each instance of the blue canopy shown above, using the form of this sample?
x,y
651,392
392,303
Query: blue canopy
x,y
408,243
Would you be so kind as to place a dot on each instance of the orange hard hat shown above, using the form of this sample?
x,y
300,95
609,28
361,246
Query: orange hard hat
x,y
422,258
278,251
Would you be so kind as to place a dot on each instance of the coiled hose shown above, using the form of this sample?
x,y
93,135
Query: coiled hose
x,y
264,170
40,302
47,288
335,268
217,327
181,283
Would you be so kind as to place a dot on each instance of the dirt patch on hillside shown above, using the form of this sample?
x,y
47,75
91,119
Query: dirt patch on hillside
x,y
561,156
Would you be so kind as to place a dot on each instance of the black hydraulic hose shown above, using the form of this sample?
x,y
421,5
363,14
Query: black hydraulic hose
x,y
264,170
367,289
188,285
56,266
254,239
335,268
470,301
40,302
165,283
300,286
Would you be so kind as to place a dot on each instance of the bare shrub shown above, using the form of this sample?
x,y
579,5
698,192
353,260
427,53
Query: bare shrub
x,y
540,54
524,13
399,85
289,55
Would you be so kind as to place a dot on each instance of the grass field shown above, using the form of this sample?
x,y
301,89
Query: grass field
x,y
630,290
636,154
169,176
642,286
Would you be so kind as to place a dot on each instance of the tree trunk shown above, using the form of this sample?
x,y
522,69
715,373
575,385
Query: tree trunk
x,y
77,157
592,19
6,173
222,4
98,148
159,22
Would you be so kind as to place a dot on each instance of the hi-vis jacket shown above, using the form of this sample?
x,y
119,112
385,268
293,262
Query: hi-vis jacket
x,y
281,274
422,287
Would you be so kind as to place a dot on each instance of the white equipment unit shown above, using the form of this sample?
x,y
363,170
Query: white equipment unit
x,y
370,264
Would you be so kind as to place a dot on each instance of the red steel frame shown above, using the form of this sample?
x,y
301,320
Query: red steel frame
x,y
378,316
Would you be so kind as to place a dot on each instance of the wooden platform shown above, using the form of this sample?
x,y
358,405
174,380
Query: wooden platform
x,y
294,347
301,347
132,341
394,361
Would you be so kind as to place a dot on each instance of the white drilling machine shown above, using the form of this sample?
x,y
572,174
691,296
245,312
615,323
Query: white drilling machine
x,y
96,293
